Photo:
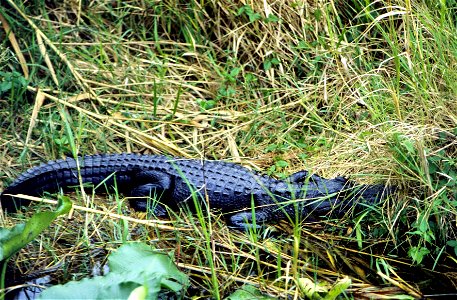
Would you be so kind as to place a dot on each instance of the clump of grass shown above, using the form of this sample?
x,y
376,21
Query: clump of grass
x,y
361,89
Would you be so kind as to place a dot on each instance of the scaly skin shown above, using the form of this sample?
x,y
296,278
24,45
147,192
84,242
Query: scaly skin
x,y
229,187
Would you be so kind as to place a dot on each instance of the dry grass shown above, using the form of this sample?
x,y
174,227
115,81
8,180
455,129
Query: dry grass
x,y
324,87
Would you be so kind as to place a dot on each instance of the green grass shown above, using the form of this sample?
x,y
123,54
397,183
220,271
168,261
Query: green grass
x,y
353,88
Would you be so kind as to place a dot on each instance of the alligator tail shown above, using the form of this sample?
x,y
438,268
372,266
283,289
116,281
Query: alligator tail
x,y
61,175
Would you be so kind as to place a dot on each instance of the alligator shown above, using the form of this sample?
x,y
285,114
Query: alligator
x,y
152,182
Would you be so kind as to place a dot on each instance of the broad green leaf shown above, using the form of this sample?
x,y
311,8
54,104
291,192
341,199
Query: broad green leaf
x,y
140,293
248,292
452,243
136,272
12,240
311,289
418,253
338,288
272,18
282,163
111,286
139,256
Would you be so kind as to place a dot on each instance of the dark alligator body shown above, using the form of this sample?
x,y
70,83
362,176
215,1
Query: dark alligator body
x,y
229,187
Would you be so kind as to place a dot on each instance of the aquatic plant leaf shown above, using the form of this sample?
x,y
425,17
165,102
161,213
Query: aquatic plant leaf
x,y
248,292
15,238
135,269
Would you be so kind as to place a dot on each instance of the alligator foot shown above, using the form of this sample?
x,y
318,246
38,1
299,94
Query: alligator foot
x,y
244,220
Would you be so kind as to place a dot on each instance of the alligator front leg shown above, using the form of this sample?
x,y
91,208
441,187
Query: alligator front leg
x,y
304,176
245,220
148,187
299,176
